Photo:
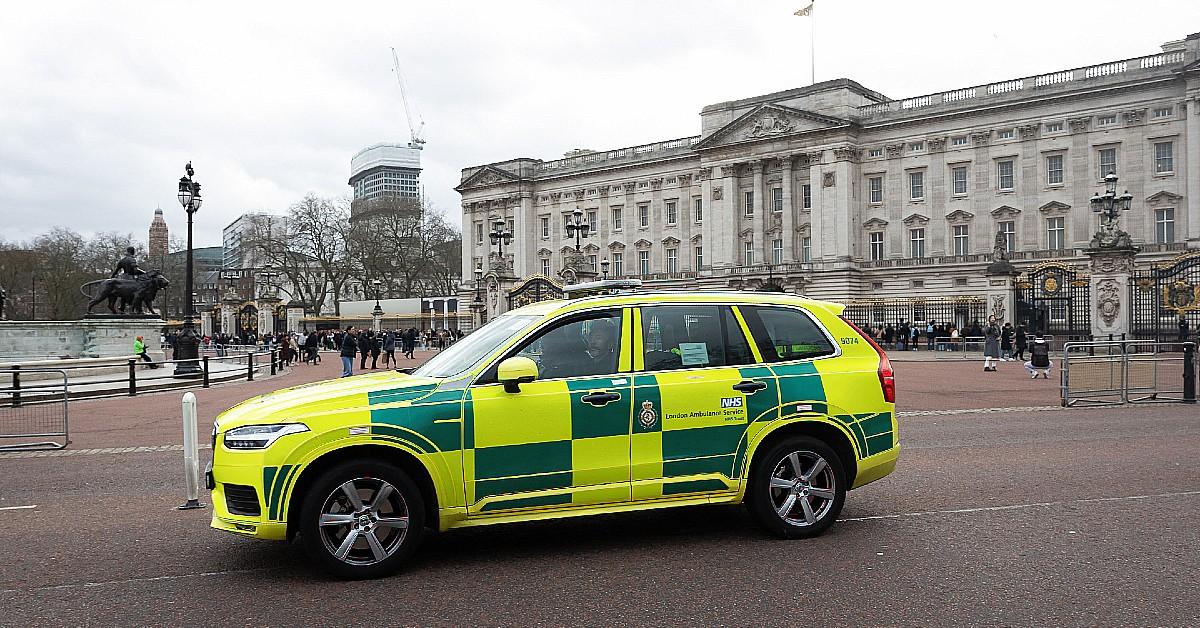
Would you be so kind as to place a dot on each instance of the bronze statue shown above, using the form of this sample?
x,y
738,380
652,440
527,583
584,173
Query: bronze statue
x,y
128,265
137,291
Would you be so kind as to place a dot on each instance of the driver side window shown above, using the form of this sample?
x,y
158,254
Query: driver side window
x,y
577,347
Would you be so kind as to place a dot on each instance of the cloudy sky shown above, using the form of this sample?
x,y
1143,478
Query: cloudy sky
x,y
101,103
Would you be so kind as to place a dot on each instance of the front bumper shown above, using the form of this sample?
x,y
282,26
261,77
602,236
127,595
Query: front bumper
x,y
250,474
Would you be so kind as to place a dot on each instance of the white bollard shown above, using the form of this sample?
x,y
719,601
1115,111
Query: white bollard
x,y
191,454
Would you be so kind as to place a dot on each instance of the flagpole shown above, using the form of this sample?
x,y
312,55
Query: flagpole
x,y
812,50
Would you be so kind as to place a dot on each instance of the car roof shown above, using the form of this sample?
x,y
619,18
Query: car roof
x,y
644,297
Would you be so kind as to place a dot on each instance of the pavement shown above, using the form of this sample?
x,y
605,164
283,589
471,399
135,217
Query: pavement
x,y
1006,509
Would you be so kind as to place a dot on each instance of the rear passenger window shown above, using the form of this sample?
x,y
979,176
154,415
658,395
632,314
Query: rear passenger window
x,y
784,334
692,336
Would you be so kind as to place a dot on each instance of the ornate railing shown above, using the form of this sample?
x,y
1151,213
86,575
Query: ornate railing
x,y
632,153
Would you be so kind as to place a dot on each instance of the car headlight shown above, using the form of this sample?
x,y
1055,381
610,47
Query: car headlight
x,y
260,436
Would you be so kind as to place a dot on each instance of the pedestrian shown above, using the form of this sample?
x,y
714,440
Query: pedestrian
x,y
991,345
931,334
1022,342
1006,344
139,347
1183,328
376,349
410,343
349,348
914,342
364,348
389,349
888,334
1039,359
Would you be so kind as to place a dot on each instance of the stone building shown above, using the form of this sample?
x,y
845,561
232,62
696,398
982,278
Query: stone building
x,y
837,191
159,236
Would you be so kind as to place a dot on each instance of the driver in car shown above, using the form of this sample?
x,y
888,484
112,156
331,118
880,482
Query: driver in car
x,y
601,348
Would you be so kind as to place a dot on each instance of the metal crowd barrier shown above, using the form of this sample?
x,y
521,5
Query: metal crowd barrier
x,y
1128,371
24,422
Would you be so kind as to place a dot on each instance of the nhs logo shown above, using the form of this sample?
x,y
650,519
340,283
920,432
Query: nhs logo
x,y
731,402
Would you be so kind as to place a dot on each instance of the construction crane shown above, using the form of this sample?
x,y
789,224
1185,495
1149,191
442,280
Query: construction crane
x,y
416,132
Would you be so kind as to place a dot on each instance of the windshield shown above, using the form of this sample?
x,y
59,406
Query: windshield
x,y
466,353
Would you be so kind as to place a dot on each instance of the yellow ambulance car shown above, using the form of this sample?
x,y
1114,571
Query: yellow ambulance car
x,y
603,404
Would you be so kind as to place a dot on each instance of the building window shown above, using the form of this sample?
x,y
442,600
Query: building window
x,y
876,238
748,248
806,249
962,240
1164,225
643,215
875,187
1009,229
616,218
1054,170
1054,127
806,191
591,220
1164,158
916,242
875,152
1004,174
916,185
545,222
958,178
479,233
1107,158
672,213
777,199
1106,120
644,262
1006,134
699,257
750,203
618,264
592,263
546,267
958,141
1161,112
1056,233
672,260
698,205
916,147
511,228
777,251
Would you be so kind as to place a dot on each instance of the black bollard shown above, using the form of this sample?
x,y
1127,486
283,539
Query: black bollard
x,y
1189,372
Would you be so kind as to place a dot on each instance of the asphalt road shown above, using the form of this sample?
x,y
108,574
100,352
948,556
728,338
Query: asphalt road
x,y
1035,517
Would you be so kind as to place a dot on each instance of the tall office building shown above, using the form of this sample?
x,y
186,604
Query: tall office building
x,y
159,236
384,171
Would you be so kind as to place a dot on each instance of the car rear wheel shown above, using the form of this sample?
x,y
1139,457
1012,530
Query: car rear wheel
x,y
797,488
362,519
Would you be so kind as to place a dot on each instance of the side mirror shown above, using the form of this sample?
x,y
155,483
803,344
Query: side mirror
x,y
516,371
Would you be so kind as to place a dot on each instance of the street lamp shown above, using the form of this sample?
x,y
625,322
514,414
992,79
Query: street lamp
x,y
1109,205
187,346
500,236
604,269
577,228
479,283
378,286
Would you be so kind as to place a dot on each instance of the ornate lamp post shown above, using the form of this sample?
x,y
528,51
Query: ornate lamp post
x,y
377,313
477,305
577,228
1110,206
187,346
604,269
500,236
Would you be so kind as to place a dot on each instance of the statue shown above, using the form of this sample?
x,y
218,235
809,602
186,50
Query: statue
x,y
137,291
1000,249
1110,236
127,265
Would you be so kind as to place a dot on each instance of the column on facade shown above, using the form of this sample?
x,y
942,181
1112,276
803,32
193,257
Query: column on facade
x,y
468,235
839,199
721,233
524,235
1083,184
820,222
788,221
938,239
1191,191
658,222
895,198
762,212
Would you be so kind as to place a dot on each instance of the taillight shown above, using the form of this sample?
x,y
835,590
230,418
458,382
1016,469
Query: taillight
x,y
887,377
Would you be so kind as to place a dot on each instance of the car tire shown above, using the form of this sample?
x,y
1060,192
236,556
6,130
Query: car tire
x,y
797,503
387,520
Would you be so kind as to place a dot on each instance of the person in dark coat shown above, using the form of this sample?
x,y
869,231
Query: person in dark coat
x,y
348,349
1021,343
364,348
389,349
376,349
1039,359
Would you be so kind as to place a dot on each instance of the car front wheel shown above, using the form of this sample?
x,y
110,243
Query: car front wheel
x,y
362,519
797,489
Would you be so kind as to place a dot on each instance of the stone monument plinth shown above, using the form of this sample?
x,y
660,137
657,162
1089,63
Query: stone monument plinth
x,y
95,336
1110,268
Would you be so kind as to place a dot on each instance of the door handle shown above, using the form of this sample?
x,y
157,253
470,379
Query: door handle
x,y
749,386
600,398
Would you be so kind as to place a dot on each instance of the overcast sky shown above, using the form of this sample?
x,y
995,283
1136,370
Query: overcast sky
x,y
101,103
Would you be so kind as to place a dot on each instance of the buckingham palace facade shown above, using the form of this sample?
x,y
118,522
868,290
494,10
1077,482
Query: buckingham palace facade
x,y
836,191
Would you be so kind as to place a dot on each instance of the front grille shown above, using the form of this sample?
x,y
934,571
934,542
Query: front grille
x,y
242,500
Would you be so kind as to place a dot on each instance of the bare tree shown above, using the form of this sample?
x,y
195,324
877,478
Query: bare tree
x,y
407,245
